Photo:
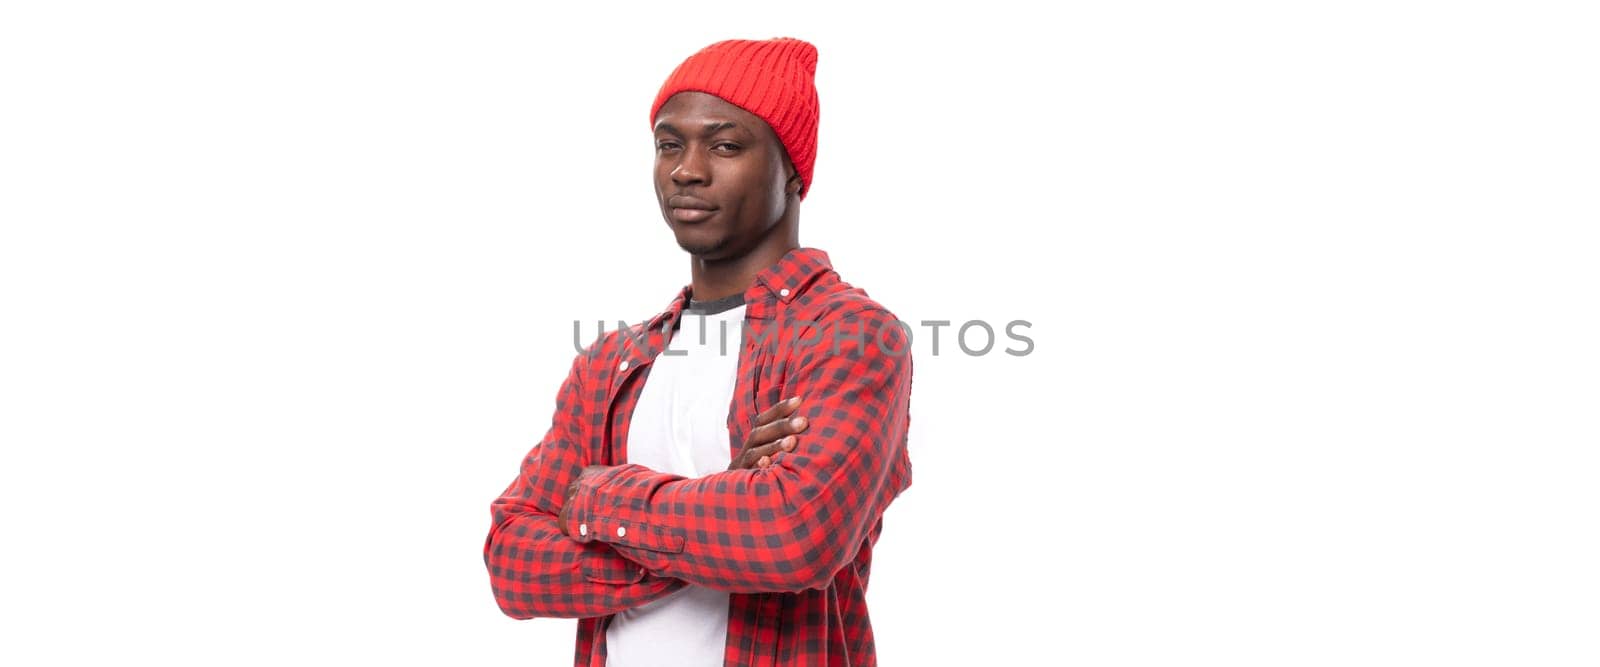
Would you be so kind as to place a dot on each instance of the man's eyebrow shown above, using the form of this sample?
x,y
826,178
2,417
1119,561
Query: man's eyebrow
x,y
710,128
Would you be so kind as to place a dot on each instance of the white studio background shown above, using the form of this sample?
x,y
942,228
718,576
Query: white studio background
x,y
287,291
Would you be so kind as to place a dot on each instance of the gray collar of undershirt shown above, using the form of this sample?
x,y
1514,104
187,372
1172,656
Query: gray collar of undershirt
x,y
715,306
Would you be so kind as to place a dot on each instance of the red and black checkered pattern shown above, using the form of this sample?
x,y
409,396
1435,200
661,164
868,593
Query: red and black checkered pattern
x,y
792,541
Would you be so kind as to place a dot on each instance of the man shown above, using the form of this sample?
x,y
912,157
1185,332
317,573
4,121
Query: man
x,y
714,480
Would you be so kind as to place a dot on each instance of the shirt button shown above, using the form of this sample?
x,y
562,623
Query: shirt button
x,y
583,529
623,366
783,292
622,532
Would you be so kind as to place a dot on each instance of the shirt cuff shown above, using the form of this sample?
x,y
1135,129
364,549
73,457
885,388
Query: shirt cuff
x,y
580,507
603,509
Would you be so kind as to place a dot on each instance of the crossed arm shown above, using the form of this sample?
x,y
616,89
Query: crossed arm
x,y
570,541
536,571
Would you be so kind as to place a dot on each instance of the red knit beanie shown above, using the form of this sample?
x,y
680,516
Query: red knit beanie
x,y
769,78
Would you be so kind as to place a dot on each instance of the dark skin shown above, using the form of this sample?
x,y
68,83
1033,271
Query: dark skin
x,y
712,154
731,196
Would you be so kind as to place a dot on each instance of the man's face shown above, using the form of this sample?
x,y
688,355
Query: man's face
x,y
720,175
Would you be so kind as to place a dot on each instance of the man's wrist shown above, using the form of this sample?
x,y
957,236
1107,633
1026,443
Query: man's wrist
x,y
572,526
566,507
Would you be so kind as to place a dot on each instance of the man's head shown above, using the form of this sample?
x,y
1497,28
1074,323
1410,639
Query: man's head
x,y
735,130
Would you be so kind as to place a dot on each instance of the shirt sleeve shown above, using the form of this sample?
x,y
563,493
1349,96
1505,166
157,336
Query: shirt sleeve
x,y
534,570
794,524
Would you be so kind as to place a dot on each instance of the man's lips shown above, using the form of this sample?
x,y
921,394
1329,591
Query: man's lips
x,y
689,209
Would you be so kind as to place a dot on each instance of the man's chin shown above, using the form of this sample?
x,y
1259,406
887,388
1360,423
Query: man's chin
x,y
703,248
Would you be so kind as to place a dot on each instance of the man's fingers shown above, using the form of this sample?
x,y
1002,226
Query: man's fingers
x,y
784,444
753,457
783,409
772,426
777,429
787,444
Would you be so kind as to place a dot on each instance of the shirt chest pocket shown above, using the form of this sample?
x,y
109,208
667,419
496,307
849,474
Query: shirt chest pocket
x,y
760,386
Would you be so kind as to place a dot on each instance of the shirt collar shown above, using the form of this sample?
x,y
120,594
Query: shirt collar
x,y
783,281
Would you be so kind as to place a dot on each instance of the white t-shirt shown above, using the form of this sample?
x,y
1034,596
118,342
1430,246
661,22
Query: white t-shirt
x,y
680,426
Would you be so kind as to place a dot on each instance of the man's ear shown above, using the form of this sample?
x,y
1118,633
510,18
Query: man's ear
x,y
794,184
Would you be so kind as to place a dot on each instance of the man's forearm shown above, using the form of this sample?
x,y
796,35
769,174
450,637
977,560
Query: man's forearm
x,y
536,571
788,526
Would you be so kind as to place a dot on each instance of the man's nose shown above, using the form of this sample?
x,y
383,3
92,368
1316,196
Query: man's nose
x,y
691,168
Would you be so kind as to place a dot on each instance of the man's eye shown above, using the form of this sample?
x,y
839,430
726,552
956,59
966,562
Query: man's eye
x,y
725,146
666,146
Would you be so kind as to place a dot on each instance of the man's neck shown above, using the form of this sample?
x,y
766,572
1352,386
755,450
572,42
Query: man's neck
x,y
716,279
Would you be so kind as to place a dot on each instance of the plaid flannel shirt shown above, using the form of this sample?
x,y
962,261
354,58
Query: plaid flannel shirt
x,y
792,542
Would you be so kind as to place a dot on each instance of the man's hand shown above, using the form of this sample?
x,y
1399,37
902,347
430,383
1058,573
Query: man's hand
x,y
774,432
572,490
